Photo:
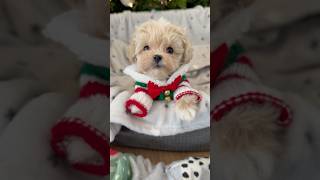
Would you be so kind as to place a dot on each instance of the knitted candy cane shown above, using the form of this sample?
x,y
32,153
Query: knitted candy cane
x,y
87,120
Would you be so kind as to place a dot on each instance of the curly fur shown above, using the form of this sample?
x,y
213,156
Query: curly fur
x,y
159,35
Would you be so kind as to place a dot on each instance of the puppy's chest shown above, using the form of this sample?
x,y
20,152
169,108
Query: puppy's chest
x,y
161,92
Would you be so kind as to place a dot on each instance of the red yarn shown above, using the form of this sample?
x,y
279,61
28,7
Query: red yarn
x,y
143,110
92,88
154,90
245,60
139,89
113,152
226,106
180,95
69,127
217,59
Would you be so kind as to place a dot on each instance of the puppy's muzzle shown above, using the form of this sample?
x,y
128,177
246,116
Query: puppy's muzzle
x,y
157,58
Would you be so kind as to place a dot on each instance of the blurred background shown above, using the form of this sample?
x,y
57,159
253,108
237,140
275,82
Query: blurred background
x,y
38,83
145,5
282,37
26,52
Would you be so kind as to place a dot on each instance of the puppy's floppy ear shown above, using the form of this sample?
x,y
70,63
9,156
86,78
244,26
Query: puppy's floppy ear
x,y
188,50
132,50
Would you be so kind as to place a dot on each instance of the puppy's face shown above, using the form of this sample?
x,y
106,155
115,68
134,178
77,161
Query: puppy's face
x,y
159,48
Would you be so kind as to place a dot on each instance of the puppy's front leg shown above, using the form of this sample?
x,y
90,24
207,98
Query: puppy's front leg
x,y
186,101
187,107
139,104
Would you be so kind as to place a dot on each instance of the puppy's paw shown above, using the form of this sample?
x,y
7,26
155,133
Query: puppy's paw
x,y
186,108
134,109
79,152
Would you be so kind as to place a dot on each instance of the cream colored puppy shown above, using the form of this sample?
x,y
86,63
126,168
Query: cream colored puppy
x,y
159,48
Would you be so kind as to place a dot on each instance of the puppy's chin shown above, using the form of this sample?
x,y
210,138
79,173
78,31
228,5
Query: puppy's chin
x,y
158,73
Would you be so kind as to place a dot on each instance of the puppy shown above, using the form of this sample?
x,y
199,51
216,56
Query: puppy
x,y
159,49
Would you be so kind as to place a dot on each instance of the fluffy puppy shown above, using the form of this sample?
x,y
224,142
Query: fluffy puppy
x,y
159,48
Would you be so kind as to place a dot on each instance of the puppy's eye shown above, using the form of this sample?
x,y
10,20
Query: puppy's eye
x,y
170,50
146,48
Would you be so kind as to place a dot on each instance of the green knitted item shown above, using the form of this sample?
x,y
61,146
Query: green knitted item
x,y
235,50
98,71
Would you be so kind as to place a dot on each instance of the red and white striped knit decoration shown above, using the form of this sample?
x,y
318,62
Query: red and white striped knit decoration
x,y
87,120
237,84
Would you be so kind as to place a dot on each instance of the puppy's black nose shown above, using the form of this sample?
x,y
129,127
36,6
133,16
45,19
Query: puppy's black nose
x,y
157,58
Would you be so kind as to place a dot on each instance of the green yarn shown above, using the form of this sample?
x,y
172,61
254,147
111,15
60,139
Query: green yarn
x,y
93,70
235,50
141,84
184,77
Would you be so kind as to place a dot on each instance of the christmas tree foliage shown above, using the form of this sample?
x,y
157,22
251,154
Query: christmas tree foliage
x,y
146,5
